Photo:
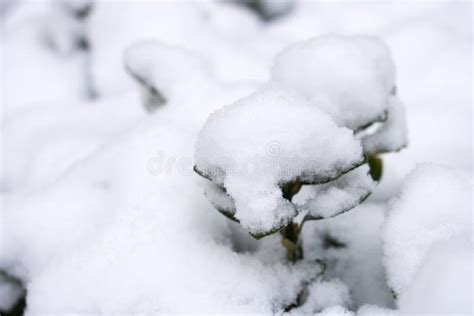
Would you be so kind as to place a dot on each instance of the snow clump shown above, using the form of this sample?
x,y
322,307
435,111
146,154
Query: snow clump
x,y
349,77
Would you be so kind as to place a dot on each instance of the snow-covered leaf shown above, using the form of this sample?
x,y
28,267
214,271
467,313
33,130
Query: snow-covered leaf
x,y
256,145
340,195
349,77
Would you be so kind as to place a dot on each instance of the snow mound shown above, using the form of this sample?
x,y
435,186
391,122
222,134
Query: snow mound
x,y
349,77
266,140
42,61
141,227
335,311
427,241
323,295
41,143
373,310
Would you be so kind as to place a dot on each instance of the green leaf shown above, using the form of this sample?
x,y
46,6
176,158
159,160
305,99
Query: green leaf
x,y
376,167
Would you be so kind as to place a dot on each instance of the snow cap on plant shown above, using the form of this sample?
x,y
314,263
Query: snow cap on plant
x,y
352,78
255,147
349,77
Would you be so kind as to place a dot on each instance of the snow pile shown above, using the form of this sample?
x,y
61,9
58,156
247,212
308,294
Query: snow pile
x,y
340,195
40,144
58,143
277,137
139,236
335,311
392,135
159,69
373,310
323,295
349,77
427,242
193,26
172,23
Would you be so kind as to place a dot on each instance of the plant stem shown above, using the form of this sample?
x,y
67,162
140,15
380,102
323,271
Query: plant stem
x,y
292,242
291,232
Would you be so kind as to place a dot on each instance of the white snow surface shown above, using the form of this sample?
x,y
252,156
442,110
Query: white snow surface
x,y
323,295
101,212
427,241
163,66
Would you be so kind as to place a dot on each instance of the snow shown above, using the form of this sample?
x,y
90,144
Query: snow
x,y
335,311
133,235
392,135
35,73
373,310
351,245
102,213
446,267
428,232
193,26
40,144
340,195
278,137
349,77
160,69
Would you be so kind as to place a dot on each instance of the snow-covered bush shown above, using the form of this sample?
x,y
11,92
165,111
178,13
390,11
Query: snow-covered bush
x,y
352,78
260,150
428,246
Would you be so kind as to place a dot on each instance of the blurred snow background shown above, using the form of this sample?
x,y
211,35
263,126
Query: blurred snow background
x,y
101,212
